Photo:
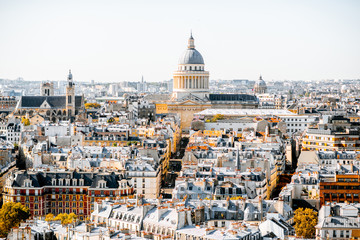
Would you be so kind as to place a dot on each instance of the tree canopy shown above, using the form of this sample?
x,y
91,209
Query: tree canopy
x,y
110,120
217,117
49,217
66,218
92,105
11,214
25,121
305,222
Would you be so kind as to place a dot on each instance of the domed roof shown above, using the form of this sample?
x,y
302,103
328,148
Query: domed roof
x,y
191,55
260,82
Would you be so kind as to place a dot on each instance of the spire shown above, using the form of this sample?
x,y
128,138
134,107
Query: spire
x,y
260,77
191,44
70,76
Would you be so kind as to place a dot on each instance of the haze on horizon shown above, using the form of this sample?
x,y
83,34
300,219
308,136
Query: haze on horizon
x,y
113,41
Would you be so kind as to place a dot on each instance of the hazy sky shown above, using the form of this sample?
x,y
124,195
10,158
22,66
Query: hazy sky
x,y
119,40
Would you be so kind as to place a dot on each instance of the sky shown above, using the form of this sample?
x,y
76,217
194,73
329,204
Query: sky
x,y
115,40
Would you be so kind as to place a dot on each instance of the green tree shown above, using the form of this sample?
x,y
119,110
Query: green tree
x,y
11,214
305,222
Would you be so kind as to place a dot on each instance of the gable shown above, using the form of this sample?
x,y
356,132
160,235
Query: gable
x,y
190,102
45,104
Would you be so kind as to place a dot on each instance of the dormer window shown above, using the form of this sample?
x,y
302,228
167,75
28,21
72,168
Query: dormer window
x,y
61,182
74,182
67,182
81,182
27,183
102,184
53,182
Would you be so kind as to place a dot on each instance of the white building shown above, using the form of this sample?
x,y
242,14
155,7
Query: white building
x,y
298,123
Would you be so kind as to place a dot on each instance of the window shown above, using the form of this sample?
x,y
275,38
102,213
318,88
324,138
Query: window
x,y
69,99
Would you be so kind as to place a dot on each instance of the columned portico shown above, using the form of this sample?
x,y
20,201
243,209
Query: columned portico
x,y
191,77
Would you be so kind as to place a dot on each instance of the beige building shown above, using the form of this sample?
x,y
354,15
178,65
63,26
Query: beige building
x,y
191,90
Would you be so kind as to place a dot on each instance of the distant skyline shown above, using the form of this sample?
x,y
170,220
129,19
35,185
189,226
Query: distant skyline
x,y
114,41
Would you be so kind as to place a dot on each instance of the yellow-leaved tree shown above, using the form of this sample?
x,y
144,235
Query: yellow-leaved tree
x,y
49,217
305,222
66,218
11,214
217,117
25,121
92,105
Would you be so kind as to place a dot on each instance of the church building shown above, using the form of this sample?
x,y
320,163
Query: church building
x,y
191,92
50,107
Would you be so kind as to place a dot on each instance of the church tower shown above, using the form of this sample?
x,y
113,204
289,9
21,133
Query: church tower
x,y
70,96
191,77
47,89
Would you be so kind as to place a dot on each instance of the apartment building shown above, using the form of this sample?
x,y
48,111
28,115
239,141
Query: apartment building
x,y
64,191
341,188
337,135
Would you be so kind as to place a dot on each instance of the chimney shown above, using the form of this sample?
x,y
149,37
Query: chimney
x,y
280,206
260,208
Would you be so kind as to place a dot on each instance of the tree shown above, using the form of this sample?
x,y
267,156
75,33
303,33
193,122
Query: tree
x,y
25,121
49,217
305,222
66,218
217,117
92,105
11,214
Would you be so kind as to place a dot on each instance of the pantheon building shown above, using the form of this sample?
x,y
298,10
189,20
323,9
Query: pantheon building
x,y
191,90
